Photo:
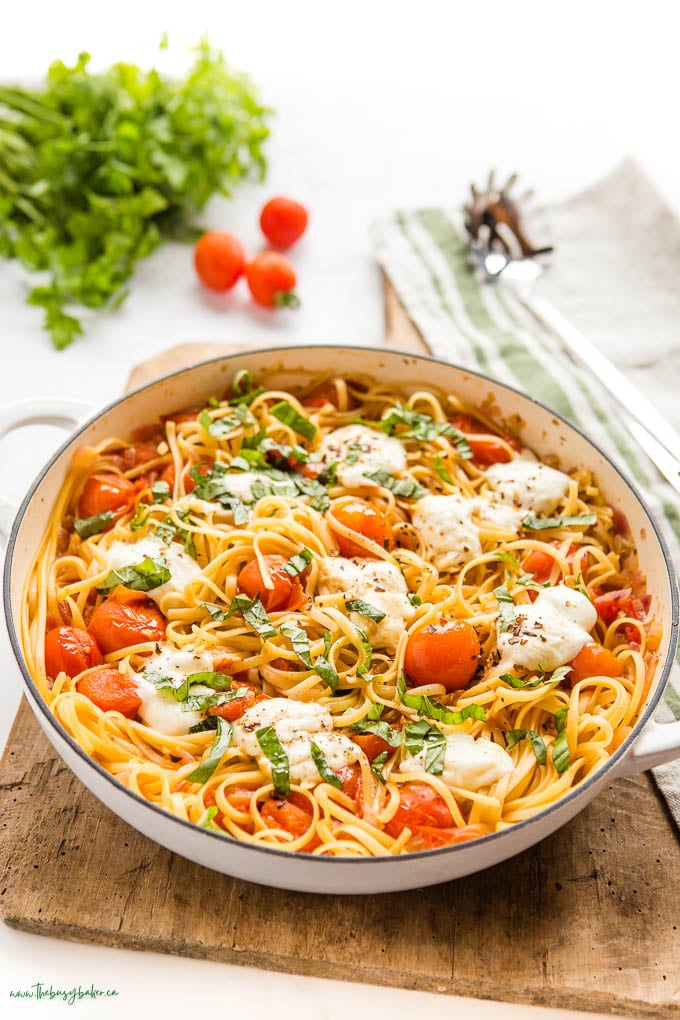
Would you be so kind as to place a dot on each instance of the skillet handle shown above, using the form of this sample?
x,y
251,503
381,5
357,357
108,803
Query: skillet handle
x,y
657,744
67,414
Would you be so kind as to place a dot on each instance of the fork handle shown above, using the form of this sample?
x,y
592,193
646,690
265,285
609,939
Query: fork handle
x,y
630,399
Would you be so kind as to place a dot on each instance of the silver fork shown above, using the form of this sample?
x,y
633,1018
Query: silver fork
x,y
502,254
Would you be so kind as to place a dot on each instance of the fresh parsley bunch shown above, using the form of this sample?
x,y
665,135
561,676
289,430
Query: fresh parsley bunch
x,y
97,169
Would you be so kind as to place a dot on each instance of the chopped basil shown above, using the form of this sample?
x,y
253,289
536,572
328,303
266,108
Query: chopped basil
x,y
508,558
160,491
518,683
209,723
213,401
144,576
299,562
327,672
168,530
272,748
287,414
513,737
88,526
260,450
560,748
377,766
214,487
254,613
559,674
206,819
329,474
441,470
363,669
404,487
216,681
434,710
215,611
424,428
354,451
202,702
140,518
222,740
220,427
243,388
375,711
506,608
315,490
381,729
321,666
322,766
531,523
423,734
415,600
327,641
285,487
365,609
178,688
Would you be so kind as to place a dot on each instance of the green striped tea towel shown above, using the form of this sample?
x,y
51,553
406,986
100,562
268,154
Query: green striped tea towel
x,y
486,328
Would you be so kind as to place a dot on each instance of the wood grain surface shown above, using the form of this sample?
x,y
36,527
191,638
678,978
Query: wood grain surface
x,y
588,919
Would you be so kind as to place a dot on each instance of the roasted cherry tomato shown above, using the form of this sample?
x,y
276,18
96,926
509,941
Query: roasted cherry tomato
x,y
272,280
419,804
351,783
485,451
363,518
293,814
444,653
593,660
283,221
429,837
120,622
371,744
70,650
232,710
219,259
111,691
321,395
106,492
286,591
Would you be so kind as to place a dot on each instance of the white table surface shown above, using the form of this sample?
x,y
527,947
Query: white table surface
x,y
378,105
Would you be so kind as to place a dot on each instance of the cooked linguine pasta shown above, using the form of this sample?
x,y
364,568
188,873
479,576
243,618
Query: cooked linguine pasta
x,y
354,621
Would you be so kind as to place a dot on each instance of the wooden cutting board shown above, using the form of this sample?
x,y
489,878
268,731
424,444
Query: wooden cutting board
x,y
589,919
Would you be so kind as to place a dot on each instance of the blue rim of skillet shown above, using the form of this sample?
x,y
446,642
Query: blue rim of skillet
x,y
309,859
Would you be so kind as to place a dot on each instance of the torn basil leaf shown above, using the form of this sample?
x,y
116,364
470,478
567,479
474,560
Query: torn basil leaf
x,y
273,750
160,491
379,728
208,678
144,576
506,608
354,451
432,709
222,740
365,609
513,737
363,669
178,688
421,735
323,668
206,819
220,427
424,428
299,639
404,487
254,613
88,526
441,470
377,766
322,766
215,611
531,523
560,747
299,562
287,414
140,518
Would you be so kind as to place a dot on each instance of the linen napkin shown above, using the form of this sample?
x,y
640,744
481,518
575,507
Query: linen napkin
x,y
614,276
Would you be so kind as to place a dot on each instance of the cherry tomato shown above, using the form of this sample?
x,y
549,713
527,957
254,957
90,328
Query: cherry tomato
x,y
363,518
593,660
351,782
293,814
120,623
232,710
484,451
444,653
70,650
106,492
371,744
321,395
272,279
613,604
283,221
111,691
540,564
286,593
429,837
419,804
219,259
168,475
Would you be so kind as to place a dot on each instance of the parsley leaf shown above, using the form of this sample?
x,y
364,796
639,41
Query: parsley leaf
x,y
144,576
88,526
222,740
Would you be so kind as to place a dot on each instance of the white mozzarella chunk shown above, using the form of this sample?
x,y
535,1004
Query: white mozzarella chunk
x,y
202,506
469,762
445,525
239,483
297,725
549,632
529,485
357,449
500,515
183,569
159,708
377,582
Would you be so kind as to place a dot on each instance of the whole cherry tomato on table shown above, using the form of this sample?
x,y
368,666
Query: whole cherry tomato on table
x,y
444,653
272,279
219,259
70,650
283,221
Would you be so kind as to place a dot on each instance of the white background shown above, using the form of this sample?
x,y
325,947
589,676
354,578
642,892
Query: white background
x,y
378,105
